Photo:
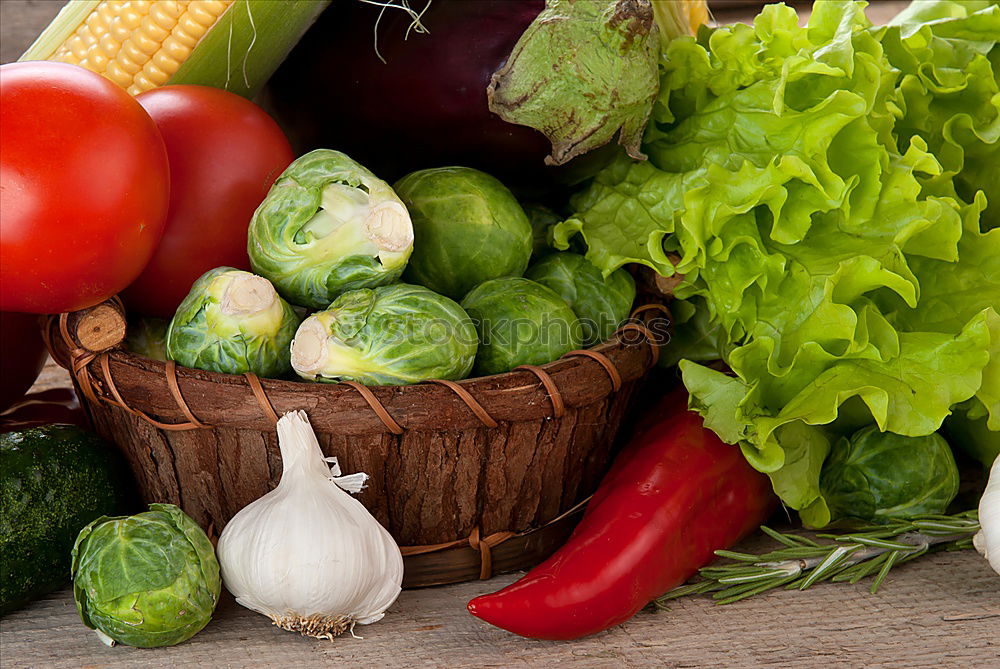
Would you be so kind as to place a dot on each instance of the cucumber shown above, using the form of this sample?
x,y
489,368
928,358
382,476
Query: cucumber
x,y
54,480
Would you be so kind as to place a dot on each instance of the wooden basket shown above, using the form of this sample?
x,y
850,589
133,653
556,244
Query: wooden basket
x,y
471,478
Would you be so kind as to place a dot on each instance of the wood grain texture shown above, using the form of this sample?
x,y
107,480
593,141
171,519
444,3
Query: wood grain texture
x,y
941,611
99,328
20,23
426,486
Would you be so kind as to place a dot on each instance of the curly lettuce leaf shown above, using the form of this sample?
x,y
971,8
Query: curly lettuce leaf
x,y
824,188
624,216
695,337
948,93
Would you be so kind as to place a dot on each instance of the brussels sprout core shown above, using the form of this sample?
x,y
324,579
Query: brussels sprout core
x,y
247,294
309,349
315,350
347,221
232,322
390,228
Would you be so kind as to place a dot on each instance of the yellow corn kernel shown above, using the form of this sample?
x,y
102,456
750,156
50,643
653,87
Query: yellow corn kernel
x,y
96,25
119,69
680,17
186,30
698,15
140,44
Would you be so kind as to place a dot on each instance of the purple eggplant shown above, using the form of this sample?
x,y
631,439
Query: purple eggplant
x,y
426,105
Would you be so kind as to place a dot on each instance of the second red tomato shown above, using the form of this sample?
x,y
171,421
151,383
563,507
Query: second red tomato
x,y
224,152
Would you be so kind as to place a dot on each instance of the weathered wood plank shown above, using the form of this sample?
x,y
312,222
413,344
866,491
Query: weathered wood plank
x,y
942,611
20,23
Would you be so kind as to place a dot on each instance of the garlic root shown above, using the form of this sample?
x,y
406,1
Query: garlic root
x,y
317,627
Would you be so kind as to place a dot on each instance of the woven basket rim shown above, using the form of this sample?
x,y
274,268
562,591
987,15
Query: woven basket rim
x,y
222,400
297,385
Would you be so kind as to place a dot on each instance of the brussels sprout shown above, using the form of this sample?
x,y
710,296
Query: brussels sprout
x,y
541,219
468,227
148,337
393,335
520,322
966,428
880,475
600,304
327,226
233,322
146,580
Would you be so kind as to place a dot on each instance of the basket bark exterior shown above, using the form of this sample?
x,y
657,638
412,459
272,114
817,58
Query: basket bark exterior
x,y
426,487
444,476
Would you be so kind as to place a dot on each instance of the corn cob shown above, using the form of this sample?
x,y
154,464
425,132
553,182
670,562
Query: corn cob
x,y
142,44
680,17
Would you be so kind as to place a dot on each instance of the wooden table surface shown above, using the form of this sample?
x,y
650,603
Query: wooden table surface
x,y
941,611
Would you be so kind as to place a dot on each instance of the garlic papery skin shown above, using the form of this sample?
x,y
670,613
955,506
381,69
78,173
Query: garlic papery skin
x,y
307,554
987,541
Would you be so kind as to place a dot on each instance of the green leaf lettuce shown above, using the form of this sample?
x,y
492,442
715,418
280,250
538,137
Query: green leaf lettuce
x,y
826,189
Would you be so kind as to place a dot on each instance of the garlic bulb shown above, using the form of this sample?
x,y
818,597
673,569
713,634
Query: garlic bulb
x,y
987,541
307,554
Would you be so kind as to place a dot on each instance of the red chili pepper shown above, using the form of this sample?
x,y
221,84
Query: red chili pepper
x,y
674,496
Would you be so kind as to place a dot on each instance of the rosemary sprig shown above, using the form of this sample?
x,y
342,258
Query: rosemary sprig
x,y
802,562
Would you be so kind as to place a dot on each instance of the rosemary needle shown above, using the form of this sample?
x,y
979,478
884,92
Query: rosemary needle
x,y
853,556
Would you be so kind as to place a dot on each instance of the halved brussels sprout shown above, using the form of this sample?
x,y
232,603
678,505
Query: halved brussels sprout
x,y
393,335
519,322
600,304
233,322
881,475
327,226
469,228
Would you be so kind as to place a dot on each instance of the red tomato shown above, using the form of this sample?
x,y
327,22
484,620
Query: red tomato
x,y
22,355
84,187
225,153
